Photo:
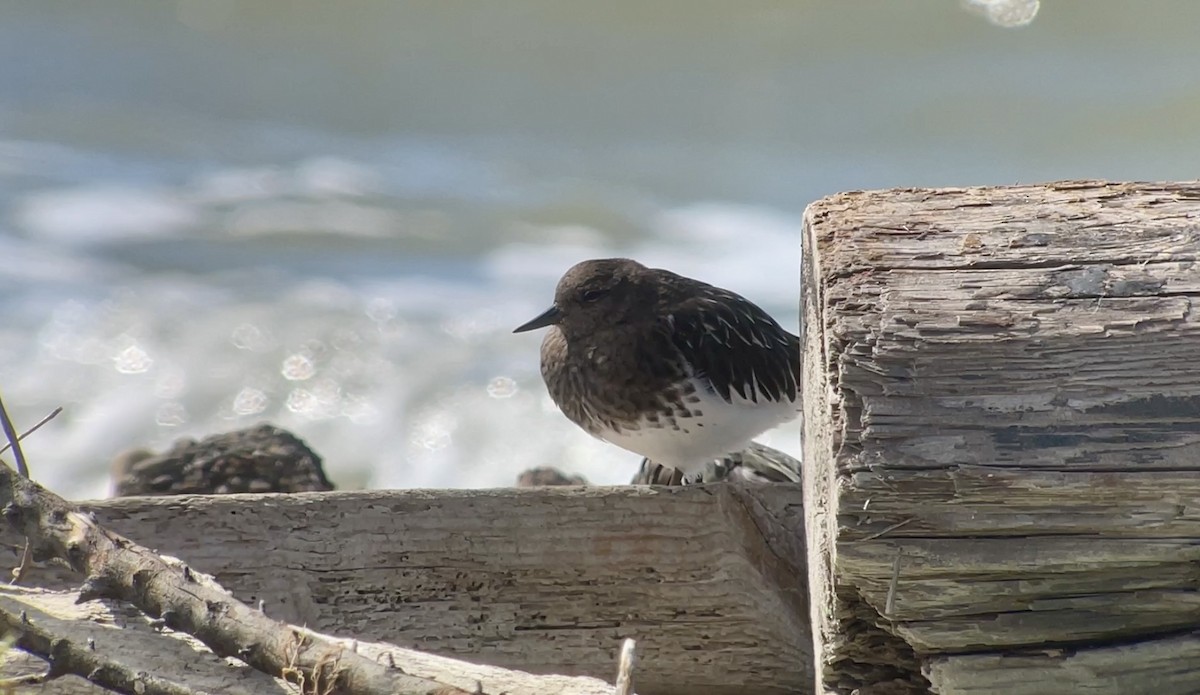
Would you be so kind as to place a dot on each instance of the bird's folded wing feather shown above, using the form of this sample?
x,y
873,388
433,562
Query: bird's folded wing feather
x,y
737,347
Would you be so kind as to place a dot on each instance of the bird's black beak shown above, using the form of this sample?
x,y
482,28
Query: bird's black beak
x,y
548,317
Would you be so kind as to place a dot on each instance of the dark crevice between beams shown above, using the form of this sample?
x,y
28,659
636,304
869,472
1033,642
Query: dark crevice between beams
x,y
870,659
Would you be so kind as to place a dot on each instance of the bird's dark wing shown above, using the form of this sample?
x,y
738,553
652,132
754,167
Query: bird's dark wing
x,y
735,346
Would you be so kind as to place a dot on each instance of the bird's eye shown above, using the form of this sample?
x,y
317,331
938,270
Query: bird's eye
x,y
593,294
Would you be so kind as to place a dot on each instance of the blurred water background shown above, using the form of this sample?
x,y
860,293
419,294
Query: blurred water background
x,y
329,215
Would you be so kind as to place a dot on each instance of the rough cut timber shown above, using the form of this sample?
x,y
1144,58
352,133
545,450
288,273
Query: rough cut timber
x,y
1002,439
708,579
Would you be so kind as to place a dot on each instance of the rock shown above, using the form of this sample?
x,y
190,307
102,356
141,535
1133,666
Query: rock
x,y
263,458
536,477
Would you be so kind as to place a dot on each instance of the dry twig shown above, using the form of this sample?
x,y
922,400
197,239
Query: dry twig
x,y
14,442
625,668
53,414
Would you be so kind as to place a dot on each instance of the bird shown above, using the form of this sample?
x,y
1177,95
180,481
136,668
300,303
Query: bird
x,y
677,370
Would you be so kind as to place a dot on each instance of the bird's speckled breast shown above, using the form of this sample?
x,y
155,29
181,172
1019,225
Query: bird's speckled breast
x,y
614,381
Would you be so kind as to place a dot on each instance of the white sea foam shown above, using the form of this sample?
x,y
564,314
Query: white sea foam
x,y
100,213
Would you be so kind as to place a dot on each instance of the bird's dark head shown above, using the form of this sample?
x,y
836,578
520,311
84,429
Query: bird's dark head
x,y
597,294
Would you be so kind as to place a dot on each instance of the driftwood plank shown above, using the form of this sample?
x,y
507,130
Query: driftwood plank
x,y
1002,437
708,580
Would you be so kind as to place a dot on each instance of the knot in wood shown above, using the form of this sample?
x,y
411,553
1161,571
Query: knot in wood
x,y
141,579
216,608
13,514
76,555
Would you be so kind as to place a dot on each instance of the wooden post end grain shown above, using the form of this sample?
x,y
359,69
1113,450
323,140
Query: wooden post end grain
x,y
1002,438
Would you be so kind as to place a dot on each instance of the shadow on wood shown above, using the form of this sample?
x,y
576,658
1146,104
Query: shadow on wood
x,y
1002,438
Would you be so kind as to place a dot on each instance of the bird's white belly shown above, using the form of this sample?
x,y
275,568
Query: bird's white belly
x,y
689,443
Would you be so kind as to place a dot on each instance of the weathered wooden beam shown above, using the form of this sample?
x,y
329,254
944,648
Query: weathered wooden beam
x,y
709,579
1002,438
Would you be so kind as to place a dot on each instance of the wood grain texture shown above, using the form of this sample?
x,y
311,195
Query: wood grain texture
x,y
1002,437
707,579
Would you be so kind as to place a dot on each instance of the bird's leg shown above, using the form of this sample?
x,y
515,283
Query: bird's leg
x,y
651,473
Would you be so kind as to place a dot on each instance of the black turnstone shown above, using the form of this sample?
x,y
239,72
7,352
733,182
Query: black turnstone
x,y
665,366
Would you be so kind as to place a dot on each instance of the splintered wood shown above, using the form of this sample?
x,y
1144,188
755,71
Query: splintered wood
x,y
1002,438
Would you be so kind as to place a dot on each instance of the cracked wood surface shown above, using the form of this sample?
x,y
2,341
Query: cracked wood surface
x,y
1002,438
708,579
